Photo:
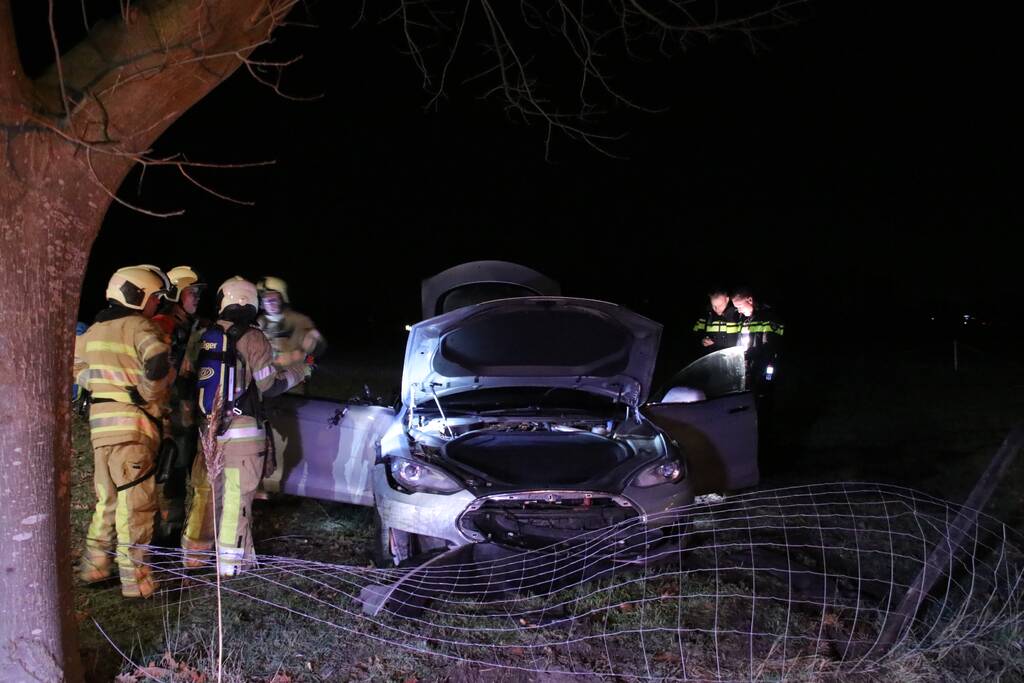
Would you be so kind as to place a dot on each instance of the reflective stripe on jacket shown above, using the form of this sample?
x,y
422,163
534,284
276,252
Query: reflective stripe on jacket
x,y
110,358
722,329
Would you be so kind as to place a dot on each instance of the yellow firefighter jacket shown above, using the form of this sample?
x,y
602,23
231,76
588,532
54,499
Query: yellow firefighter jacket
x,y
120,356
293,336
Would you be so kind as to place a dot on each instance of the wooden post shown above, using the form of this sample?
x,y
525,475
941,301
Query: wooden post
x,y
938,559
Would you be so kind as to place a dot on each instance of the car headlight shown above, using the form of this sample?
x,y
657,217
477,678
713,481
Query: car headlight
x,y
661,472
416,476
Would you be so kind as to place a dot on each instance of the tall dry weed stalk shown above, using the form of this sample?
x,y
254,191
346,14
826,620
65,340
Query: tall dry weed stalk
x,y
213,454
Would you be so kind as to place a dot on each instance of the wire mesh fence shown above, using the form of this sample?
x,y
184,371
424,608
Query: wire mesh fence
x,y
788,584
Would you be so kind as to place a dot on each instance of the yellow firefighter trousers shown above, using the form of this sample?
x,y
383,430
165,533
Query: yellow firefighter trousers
x,y
234,488
124,518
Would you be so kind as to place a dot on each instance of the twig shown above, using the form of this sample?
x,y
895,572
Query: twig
x,y
214,458
56,56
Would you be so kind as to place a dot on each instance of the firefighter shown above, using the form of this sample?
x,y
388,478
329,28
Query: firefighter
x,y
236,361
293,336
719,327
123,360
177,316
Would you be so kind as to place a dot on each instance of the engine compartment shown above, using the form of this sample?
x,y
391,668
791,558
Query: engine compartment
x,y
435,431
495,453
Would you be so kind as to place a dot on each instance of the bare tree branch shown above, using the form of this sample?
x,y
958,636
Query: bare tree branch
x,y
115,92
133,76
529,49
56,59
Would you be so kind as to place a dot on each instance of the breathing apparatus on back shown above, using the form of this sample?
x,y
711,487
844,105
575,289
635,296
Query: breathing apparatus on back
x,y
220,367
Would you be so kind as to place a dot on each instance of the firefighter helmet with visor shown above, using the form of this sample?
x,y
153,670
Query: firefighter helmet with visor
x,y
237,291
132,286
273,284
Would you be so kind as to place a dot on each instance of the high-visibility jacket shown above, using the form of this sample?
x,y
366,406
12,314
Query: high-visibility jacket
x,y
293,337
722,329
762,328
761,334
124,355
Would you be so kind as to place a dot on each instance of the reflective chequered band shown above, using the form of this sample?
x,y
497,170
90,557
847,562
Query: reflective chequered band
x,y
717,326
755,327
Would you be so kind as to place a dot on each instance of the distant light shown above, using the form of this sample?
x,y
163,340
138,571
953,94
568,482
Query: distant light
x,y
408,328
769,372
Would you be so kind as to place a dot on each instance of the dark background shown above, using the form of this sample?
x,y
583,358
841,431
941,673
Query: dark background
x,y
860,169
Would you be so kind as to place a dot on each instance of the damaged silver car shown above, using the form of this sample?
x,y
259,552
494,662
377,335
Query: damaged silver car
x,y
523,422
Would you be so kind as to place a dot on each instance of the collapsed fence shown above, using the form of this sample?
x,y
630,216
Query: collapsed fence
x,y
792,584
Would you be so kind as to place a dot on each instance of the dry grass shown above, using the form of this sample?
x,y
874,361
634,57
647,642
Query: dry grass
x,y
922,428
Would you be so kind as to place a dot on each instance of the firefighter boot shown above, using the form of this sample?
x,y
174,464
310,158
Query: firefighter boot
x,y
96,566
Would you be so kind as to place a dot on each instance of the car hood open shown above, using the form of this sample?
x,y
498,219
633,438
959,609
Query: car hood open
x,y
541,341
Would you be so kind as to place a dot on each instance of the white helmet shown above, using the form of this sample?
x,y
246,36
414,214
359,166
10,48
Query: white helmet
x,y
237,291
132,286
273,284
181,277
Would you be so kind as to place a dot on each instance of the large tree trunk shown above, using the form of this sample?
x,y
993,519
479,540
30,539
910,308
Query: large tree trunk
x,y
63,151
44,244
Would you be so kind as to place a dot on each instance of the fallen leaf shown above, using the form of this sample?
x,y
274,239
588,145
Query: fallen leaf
x,y
281,678
157,672
667,657
516,651
626,607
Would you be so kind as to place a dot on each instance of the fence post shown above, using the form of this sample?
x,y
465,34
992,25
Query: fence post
x,y
940,556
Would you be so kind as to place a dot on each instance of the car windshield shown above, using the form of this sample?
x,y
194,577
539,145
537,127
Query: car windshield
x,y
716,374
528,399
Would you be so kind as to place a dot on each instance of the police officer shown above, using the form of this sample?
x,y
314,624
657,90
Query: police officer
x,y
236,360
124,361
760,333
293,336
719,327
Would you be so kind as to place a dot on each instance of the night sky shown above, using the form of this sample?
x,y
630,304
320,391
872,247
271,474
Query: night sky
x,y
859,168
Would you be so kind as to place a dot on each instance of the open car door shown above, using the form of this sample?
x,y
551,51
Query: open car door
x,y
710,412
325,449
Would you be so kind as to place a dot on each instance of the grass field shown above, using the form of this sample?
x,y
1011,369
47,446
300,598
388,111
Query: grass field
x,y
907,419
